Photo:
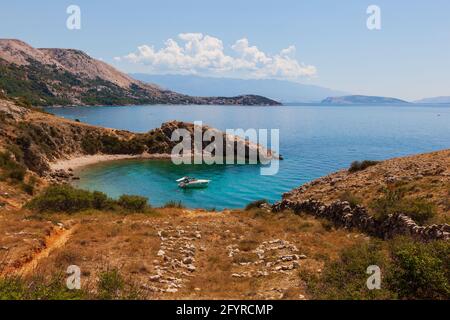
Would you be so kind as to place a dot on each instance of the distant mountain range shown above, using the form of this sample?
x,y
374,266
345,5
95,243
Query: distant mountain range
x,y
45,77
358,99
280,90
435,100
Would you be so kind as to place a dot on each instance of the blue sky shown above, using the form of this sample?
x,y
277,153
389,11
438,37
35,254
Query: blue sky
x,y
408,58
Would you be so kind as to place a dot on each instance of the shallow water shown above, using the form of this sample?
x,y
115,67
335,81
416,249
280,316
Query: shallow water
x,y
314,140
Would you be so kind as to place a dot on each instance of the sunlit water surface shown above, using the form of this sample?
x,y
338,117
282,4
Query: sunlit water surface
x,y
314,140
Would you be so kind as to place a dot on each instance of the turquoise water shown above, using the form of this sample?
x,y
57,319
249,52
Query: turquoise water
x,y
314,140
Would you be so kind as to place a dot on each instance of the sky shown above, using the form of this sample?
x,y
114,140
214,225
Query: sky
x,y
321,42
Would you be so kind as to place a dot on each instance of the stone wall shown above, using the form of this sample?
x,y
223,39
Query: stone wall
x,y
344,215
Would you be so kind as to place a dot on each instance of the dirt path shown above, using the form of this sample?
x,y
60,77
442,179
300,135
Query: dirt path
x,y
57,239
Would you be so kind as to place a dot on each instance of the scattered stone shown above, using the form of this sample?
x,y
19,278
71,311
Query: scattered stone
x,y
161,253
190,267
150,288
188,260
155,278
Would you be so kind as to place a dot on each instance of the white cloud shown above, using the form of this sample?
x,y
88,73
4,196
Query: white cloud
x,y
205,55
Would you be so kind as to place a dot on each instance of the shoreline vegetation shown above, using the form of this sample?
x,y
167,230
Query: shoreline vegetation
x,y
257,252
128,250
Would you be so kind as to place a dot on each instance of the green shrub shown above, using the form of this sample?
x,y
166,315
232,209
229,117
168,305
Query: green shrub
x,y
17,152
255,204
110,285
112,145
393,202
420,270
100,201
350,198
62,198
361,165
409,270
346,278
420,210
90,144
65,198
133,203
11,168
37,289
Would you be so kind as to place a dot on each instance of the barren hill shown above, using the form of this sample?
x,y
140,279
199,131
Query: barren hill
x,y
42,77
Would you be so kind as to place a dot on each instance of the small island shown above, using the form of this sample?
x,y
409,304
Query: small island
x,y
358,99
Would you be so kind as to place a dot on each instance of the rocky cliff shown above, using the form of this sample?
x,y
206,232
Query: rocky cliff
x,y
43,77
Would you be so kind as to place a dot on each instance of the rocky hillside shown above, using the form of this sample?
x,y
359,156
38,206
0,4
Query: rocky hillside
x,y
37,138
414,184
43,77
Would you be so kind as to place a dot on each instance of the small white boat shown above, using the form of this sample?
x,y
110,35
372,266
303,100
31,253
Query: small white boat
x,y
192,183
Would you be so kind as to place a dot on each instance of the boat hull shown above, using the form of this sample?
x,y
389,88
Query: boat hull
x,y
194,185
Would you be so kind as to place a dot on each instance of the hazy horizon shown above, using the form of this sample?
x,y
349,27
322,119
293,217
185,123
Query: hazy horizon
x,y
319,43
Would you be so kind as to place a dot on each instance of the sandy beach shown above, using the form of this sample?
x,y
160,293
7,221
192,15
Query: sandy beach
x,y
80,161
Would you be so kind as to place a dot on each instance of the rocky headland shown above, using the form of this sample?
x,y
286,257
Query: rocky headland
x,y
49,145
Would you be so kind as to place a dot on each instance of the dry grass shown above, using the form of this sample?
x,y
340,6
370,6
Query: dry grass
x,y
425,176
130,243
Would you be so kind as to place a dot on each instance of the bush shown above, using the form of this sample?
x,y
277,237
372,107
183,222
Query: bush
x,y
62,198
409,270
350,198
37,289
111,145
420,210
133,203
346,278
256,204
90,144
420,270
393,202
361,165
110,285
100,201
65,198
17,152
11,168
